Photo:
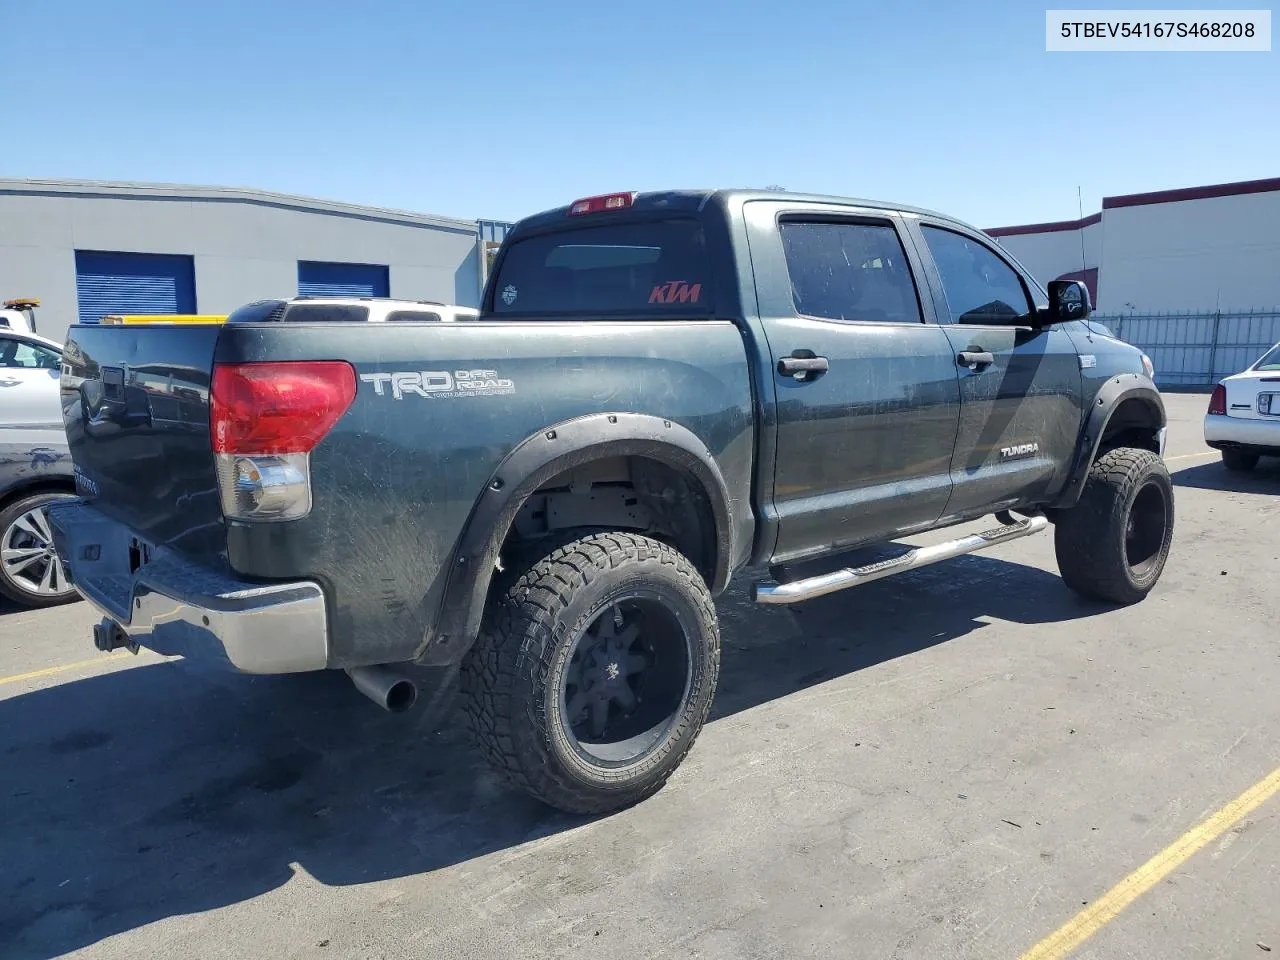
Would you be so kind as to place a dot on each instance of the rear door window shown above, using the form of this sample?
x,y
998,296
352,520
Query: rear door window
x,y
646,269
849,271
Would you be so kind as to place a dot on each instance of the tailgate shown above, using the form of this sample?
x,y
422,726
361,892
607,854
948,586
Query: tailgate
x,y
136,404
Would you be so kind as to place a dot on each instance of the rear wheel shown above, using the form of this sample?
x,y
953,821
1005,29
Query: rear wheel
x,y
594,672
1238,461
30,572
1113,544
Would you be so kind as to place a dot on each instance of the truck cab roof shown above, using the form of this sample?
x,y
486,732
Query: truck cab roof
x,y
690,202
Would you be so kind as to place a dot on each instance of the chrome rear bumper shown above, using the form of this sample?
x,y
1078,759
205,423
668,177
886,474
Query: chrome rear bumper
x,y
1221,431
175,607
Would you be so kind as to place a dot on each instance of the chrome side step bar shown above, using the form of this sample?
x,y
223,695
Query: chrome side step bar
x,y
821,585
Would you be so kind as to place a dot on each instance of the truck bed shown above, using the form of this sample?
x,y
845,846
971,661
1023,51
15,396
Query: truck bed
x,y
437,408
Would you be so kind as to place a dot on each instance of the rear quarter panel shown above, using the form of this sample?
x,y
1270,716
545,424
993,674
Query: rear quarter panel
x,y
395,481
32,456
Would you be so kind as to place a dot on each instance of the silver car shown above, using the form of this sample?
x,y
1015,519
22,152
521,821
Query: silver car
x,y
35,469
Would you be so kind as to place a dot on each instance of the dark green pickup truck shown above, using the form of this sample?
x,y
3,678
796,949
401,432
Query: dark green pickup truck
x,y
662,390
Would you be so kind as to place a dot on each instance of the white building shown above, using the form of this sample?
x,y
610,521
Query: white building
x,y
87,249
1201,248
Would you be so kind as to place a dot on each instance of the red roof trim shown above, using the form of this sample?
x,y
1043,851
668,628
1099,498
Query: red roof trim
x,y
1193,193
1057,226
1237,189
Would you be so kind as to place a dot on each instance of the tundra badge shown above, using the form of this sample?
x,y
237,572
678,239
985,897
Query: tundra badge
x,y
85,483
1021,450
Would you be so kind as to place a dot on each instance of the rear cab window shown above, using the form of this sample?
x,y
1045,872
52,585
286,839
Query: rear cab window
x,y
326,313
412,316
295,312
640,269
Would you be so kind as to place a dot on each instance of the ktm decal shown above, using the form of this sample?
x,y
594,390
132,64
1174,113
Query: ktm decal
x,y
676,291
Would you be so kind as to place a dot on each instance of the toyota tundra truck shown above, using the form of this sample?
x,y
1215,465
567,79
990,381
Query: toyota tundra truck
x,y
662,390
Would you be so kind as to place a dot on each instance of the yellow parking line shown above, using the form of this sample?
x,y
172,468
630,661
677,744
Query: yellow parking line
x,y
1101,912
50,671
1188,456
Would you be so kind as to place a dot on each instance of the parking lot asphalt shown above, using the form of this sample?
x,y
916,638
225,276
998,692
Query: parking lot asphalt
x,y
951,763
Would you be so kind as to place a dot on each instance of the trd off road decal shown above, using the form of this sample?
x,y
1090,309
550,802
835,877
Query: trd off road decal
x,y
675,291
439,384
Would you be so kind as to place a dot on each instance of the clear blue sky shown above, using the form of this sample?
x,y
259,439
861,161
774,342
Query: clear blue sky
x,y
497,109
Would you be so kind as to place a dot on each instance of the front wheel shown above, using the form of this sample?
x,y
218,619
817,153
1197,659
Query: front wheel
x,y
594,672
30,572
1113,544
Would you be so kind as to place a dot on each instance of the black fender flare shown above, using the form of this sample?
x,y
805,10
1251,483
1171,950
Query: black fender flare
x,y
529,466
1115,392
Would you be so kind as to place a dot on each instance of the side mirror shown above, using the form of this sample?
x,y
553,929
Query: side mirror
x,y
1068,300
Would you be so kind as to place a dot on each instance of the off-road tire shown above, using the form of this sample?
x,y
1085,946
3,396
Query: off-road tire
x,y
1090,538
1237,461
511,678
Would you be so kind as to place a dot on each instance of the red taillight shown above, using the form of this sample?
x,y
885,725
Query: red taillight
x,y
1218,402
284,407
607,201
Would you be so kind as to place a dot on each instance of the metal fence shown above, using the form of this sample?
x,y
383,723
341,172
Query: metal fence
x,y
1197,348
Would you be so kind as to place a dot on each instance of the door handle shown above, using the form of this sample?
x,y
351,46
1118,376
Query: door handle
x,y
974,359
803,368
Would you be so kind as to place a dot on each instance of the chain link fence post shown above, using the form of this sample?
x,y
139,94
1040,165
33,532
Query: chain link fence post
x,y
1213,347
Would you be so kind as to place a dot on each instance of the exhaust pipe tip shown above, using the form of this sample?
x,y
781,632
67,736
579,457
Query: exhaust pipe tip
x,y
392,691
400,696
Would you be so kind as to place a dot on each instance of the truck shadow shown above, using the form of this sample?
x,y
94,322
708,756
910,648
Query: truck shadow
x,y
160,790
771,652
1264,478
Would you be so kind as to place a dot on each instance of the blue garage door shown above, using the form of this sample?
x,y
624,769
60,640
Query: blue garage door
x,y
116,283
316,279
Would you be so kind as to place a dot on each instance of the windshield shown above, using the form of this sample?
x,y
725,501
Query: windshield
x,y
626,269
1270,360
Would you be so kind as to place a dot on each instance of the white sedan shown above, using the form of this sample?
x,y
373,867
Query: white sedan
x,y
29,370
1244,414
